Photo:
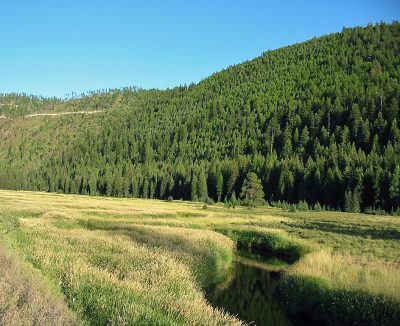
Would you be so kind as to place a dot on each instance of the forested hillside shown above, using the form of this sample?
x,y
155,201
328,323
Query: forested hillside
x,y
316,121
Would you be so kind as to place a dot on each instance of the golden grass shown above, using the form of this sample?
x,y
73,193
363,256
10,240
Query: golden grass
x,y
158,278
120,273
146,261
346,272
25,299
132,208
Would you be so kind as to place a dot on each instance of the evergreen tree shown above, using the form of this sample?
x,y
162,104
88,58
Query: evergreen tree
x,y
202,186
234,173
306,138
194,188
252,191
287,142
348,201
233,200
356,202
394,187
109,181
220,185
118,186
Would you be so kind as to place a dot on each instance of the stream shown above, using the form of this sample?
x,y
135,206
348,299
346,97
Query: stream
x,y
248,291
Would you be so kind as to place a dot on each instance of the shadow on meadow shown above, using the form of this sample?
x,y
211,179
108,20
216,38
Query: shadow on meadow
x,y
348,229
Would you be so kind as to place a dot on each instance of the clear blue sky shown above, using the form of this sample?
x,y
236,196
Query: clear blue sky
x,y
52,48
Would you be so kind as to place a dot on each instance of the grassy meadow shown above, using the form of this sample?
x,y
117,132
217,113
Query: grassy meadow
x,y
114,261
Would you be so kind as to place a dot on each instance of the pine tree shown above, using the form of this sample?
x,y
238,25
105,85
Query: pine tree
x,y
234,173
348,201
171,186
145,188
287,142
305,137
109,181
220,185
118,184
233,200
194,188
352,201
394,187
252,190
347,115
163,188
356,202
202,186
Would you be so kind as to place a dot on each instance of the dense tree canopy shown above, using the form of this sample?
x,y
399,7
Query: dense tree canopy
x,y
316,121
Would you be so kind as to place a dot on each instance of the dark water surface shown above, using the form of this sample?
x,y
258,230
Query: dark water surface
x,y
249,291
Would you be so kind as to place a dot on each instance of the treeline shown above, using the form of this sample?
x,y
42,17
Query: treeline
x,y
19,104
15,104
317,122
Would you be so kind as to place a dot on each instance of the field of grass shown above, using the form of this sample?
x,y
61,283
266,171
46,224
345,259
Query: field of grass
x,y
139,262
27,299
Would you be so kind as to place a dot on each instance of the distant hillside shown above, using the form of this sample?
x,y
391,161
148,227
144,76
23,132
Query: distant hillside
x,y
317,121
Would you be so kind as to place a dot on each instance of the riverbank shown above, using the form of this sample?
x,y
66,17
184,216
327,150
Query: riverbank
x,y
249,290
341,290
331,288
150,261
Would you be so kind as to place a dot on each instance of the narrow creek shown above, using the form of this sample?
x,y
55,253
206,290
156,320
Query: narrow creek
x,y
249,291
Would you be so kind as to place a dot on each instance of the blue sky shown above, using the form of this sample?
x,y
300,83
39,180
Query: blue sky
x,y
52,48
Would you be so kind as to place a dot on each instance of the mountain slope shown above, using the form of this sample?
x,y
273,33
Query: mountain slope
x,y
317,121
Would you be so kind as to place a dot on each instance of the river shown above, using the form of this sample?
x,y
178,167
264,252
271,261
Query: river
x,y
249,291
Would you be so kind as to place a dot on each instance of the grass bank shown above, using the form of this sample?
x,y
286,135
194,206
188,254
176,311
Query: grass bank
x,y
276,242
26,298
129,276
333,288
340,290
208,254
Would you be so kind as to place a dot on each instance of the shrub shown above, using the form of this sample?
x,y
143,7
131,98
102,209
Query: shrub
x,y
170,198
279,243
318,207
234,202
374,211
302,206
209,201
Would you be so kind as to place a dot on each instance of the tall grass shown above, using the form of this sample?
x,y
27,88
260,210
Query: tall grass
x,y
117,277
343,290
25,298
208,254
134,261
270,240
344,271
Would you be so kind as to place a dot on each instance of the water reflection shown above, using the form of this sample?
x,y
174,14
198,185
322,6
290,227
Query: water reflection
x,y
248,291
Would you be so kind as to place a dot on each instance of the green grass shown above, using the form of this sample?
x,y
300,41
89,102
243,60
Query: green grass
x,y
348,233
209,257
272,241
26,298
134,261
343,289
337,305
